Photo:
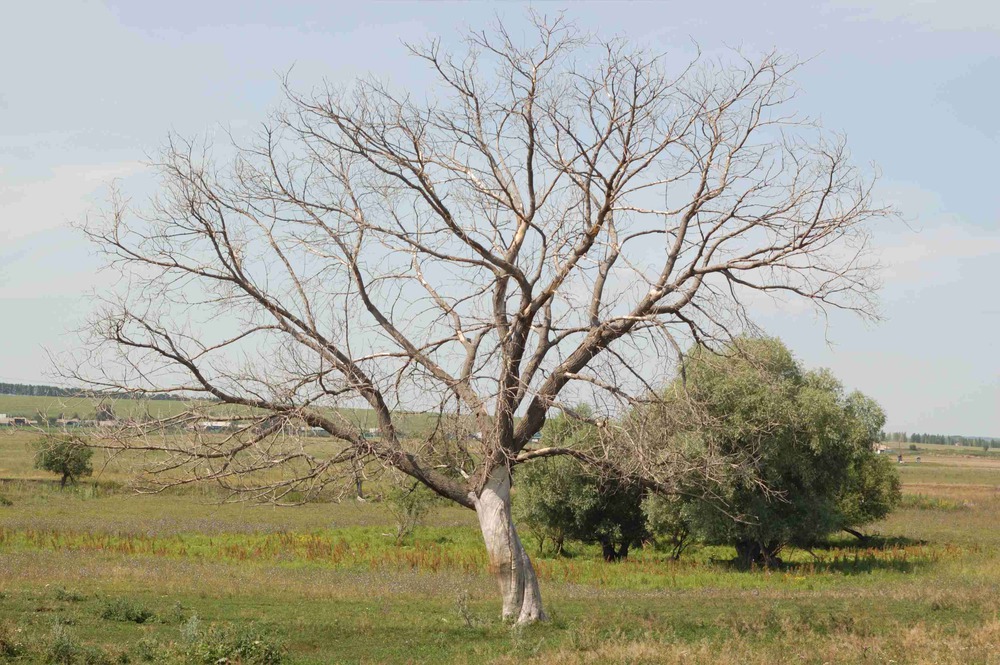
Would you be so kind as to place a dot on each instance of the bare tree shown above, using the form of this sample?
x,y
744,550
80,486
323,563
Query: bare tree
x,y
556,218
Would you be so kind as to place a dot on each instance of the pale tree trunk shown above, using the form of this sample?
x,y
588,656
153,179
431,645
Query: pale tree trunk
x,y
509,562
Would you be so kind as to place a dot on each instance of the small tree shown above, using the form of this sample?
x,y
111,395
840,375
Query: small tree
x,y
560,498
667,523
813,444
409,503
67,456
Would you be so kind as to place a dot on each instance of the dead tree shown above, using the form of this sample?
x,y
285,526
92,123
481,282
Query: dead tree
x,y
555,218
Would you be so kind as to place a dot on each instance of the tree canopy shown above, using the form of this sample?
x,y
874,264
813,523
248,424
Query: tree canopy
x,y
814,446
67,456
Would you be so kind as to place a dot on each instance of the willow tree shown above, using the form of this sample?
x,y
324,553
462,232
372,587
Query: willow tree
x,y
556,215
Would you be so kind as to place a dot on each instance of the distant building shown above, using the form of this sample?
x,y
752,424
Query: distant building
x,y
15,421
212,425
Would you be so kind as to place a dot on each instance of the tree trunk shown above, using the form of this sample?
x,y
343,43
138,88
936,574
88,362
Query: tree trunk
x,y
509,562
751,554
611,554
857,534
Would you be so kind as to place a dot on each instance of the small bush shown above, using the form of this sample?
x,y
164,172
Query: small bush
x,y
4,501
409,504
62,648
925,502
11,643
69,596
126,609
148,650
247,644
67,456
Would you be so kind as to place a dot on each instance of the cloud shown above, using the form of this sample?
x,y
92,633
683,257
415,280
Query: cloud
x,y
956,15
935,255
42,204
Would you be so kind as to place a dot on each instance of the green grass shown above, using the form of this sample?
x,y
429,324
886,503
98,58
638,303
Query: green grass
x,y
325,583
86,408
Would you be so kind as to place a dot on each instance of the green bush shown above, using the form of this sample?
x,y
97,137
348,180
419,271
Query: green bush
x,y
247,644
68,595
812,469
127,610
62,648
409,502
558,498
667,523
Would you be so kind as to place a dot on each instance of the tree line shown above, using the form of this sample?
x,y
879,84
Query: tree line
x,y
35,390
941,439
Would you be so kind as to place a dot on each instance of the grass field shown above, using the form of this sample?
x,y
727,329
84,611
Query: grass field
x,y
94,574
85,408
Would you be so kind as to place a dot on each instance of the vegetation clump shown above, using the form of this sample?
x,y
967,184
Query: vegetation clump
x,y
816,470
126,610
812,467
247,644
67,456
559,499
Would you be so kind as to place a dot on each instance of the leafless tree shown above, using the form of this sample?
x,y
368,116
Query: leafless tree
x,y
555,219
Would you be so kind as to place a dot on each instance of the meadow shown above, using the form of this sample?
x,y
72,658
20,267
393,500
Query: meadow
x,y
96,574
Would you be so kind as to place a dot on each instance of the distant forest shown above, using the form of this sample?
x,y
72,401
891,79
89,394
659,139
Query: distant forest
x,y
31,390
943,439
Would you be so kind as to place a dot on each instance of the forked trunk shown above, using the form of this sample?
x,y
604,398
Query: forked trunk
x,y
509,562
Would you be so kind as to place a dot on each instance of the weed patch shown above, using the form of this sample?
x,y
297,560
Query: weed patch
x,y
126,609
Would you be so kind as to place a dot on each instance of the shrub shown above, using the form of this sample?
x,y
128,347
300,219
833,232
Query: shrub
x,y
67,456
247,644
666,522
813,469
11,643
409,503
126,609
148,650
558,498
62,648
68,595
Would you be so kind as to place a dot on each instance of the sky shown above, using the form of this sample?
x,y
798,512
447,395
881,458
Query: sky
x,y
90,91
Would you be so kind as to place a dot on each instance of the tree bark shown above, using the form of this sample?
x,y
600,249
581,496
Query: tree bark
x,y
857,534
751,554
611,554
509,561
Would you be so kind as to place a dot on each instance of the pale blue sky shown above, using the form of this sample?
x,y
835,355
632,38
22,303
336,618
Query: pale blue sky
x,y
90,89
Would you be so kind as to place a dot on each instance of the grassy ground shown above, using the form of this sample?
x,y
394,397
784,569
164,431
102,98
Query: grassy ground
x,y
40,408
93,574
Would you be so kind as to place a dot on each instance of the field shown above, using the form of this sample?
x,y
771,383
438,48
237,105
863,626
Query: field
x,y
95,574
41,408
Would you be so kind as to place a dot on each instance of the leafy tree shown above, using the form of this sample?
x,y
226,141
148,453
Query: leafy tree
x,y
818,472
667,522
67,456
559,498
